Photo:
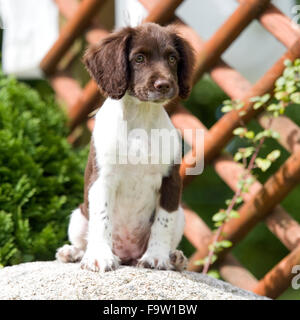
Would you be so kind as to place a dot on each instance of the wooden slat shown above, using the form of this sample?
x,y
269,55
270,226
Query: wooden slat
x,y
66,88
279,25
277,280
162,11
89,100
289,132
67,8
74,27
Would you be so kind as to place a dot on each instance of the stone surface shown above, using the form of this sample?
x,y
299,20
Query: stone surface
x,y
54,280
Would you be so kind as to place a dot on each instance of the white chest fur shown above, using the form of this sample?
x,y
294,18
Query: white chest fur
x,y
129,131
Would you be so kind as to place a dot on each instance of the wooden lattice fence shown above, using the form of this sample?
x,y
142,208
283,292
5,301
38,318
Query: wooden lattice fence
x,y
262,203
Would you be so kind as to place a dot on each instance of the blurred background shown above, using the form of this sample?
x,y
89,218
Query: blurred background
x,y
40,186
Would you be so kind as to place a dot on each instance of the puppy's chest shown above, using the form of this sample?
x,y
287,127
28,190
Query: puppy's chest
x,y
133,162
135,137
152,149
136,198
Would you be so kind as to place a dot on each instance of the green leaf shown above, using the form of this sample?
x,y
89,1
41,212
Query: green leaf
x,y
274,155
226,109
228,202
238,201
249,181
275,135
297,62
295,97
282,96
218,224
259,136
291,89
219,216
238,104
249,151
234,213
239,131
257,105
214,274
280,82
240,184
263,164
250,135
266,133
288,63
225,244
273,107
213,258
255,99
266,97
199,262
227,102
238,156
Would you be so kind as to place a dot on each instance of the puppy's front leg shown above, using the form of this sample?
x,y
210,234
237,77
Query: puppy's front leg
x,y
159,248
99,255
167,228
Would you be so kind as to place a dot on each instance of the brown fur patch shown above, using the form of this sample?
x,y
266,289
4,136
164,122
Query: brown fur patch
x,y
170,191
107,62
90,176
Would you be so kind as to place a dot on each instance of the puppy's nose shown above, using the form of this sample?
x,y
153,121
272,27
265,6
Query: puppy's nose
x,y
163,86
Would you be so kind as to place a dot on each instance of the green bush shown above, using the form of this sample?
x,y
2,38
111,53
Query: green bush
x,y
41,176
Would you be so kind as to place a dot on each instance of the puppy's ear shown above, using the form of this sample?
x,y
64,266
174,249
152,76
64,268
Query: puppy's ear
x,y
185,65
107,63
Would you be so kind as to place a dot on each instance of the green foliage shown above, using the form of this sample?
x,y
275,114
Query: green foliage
x,y
41,176
207,193
286,92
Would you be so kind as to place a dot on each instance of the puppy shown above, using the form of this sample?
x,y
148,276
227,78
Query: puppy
x,y
131,212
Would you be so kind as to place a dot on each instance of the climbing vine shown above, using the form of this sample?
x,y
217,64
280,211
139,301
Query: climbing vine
x,y
286,92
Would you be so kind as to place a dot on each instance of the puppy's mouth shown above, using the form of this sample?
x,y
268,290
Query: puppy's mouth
x,y
154,96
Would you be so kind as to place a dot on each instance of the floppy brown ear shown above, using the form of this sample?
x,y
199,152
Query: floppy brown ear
x,y
185,65
107,63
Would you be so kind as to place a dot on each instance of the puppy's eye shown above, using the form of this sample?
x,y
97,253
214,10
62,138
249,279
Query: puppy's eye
x,y
139,58
172,59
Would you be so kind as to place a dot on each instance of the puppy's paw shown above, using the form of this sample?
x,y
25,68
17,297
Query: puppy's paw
x,y
156,261
69,253
178,260
99,262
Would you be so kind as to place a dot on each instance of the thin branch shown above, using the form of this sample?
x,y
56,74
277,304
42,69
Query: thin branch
x,y
233,202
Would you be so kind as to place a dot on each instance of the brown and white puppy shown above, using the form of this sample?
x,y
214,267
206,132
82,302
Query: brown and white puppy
x,y
131,212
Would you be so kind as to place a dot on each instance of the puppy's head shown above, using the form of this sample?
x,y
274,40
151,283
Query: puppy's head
x,y
151,62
